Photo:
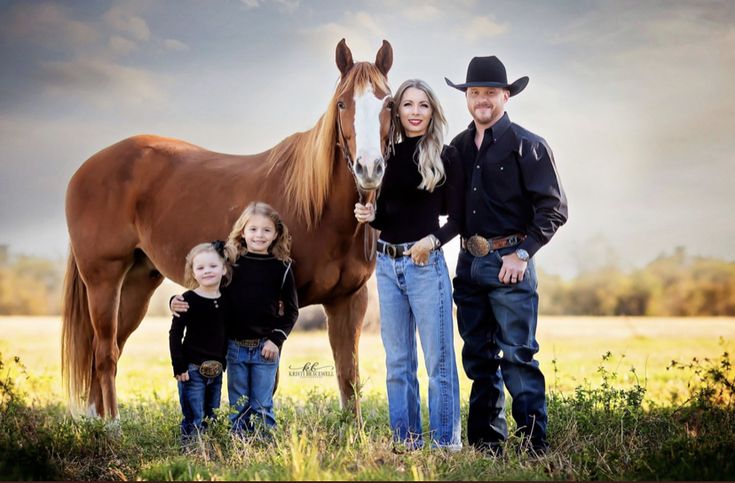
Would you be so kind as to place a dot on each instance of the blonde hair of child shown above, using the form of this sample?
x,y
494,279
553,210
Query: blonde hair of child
x,y
189,280
281,246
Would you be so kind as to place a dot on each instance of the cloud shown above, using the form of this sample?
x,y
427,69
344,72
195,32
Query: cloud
x,y
284,6
127,23
483,27
173,44
104,83
49,25
121,45
362,30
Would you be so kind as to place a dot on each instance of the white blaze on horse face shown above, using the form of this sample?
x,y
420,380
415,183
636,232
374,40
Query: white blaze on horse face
x,y
369,163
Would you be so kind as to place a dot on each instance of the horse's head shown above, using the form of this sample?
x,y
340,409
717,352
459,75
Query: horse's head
x,y
363,107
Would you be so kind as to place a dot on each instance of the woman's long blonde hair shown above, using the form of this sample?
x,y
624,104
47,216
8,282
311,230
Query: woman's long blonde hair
x,y
430,147
281,246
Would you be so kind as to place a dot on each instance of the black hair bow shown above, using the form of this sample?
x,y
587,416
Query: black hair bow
x,y
219,246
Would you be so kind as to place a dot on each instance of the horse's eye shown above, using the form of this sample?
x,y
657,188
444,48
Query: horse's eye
x,y
389,105
341,105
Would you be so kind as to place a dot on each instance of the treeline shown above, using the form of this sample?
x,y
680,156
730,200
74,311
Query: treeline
x,y
30,285
671,285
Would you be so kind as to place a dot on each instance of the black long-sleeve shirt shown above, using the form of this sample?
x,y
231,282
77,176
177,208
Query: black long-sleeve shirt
x,y
405,213
206,332
253,297
512,184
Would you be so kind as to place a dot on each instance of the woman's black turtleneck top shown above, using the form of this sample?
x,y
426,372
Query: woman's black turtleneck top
x,y
405,213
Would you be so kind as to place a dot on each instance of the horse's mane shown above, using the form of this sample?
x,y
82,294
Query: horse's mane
x,y
306,158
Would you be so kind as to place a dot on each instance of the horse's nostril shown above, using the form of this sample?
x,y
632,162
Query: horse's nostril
x,y
379,169
358,167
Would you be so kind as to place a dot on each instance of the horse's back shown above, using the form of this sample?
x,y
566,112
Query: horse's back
x,y
157,194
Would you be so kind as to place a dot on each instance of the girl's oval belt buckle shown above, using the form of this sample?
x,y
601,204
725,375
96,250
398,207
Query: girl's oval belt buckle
x,y
210,369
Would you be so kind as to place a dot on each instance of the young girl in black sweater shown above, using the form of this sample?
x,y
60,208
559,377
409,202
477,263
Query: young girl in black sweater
x,y
198,340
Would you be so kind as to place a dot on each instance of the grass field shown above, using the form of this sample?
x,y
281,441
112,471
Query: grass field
x,y
598,426
575,343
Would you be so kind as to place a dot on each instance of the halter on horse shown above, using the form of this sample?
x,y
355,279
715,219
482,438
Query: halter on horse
x,y
135,208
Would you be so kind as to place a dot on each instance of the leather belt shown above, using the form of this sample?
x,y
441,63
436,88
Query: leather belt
x,y
480,246
250,343
394,251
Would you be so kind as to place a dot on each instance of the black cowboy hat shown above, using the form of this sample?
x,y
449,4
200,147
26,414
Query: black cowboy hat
x,y
489,72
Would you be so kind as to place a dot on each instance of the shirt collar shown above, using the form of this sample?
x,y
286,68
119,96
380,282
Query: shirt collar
x,y
497,129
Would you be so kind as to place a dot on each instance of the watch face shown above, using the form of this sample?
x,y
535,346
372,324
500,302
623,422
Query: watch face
x,y
522,254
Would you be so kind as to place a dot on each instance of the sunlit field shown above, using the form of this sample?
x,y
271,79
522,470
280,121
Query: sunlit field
x,y
617,411
571,351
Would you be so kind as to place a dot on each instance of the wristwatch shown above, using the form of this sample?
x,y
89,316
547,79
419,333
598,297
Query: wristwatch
x,y
522,254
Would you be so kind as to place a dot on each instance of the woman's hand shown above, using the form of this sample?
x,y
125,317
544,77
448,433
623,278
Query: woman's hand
x,y
178,306
183,377
419,252
270,351
364,213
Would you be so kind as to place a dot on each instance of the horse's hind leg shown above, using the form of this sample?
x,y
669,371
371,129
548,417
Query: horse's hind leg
x,y
344,323
139,284
104,279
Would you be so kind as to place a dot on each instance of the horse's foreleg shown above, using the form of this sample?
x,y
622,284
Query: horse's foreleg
x,y
104,299
345,317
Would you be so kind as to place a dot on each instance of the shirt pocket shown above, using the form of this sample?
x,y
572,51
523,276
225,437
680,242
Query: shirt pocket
x,y
501,179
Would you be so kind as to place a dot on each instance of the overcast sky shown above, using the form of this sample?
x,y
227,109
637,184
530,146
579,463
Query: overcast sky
x,y
635,98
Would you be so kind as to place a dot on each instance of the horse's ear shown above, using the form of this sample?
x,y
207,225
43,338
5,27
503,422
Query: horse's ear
x,y
384,58
344,57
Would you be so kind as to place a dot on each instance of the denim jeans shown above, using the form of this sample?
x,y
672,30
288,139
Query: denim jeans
x,y
199,397
419,297
498,325
250,383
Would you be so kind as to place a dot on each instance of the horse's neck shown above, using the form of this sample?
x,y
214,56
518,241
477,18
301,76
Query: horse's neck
x,y
343,194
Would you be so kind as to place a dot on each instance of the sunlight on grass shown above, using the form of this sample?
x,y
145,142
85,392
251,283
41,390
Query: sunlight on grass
x,y
571,345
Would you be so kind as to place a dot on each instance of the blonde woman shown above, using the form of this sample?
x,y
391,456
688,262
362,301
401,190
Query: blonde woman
x,y
423,180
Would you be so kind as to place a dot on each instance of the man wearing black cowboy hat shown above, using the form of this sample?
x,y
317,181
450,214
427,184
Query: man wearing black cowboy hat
x,y
514,205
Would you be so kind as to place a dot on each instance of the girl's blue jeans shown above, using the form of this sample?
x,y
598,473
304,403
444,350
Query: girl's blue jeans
x,y
419,297
250,382
199,397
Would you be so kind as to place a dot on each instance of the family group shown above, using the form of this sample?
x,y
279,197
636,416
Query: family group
x,y
498,185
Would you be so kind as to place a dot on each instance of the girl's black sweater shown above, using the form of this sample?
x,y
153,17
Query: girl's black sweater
x,y
206,332
253,297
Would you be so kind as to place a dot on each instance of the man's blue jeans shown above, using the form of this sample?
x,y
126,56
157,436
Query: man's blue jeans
x,y
412,297
498,325
199,397
250,382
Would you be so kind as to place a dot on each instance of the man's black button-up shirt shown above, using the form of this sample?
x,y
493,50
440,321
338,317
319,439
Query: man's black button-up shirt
x,y
512,185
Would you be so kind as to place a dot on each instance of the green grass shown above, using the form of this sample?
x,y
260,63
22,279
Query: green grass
x,y
617,410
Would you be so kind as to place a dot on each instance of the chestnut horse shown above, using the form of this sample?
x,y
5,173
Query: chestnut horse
x,y
135,209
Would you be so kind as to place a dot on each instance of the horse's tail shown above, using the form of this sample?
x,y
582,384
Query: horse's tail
x,y
76,337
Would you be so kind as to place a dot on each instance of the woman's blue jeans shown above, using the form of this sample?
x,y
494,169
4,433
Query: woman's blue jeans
x,y
199,397
250,382
419,297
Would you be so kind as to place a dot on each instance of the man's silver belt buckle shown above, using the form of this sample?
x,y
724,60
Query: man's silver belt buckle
x,y
478,246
